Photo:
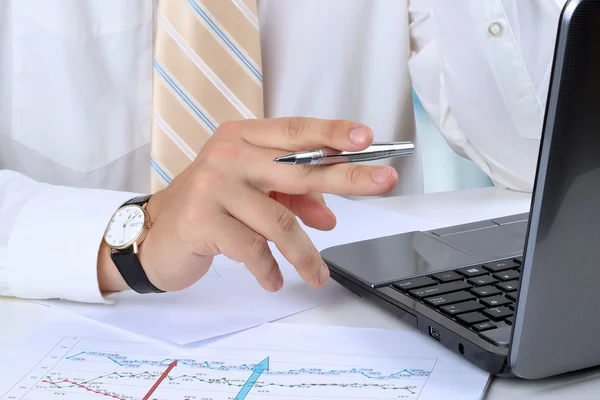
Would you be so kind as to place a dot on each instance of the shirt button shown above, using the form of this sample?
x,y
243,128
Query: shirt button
x,y
495,29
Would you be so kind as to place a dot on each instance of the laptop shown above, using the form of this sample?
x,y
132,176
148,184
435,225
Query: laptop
x,y
519,295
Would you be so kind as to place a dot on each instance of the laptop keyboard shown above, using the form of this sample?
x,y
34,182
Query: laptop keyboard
x,y
480,297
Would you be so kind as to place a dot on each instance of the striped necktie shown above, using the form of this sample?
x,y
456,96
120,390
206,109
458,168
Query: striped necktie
x,y
207,70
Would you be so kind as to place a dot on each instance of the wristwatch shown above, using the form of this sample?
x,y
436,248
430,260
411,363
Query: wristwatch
x,y
126,230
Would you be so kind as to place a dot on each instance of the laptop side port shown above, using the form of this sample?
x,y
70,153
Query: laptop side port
x,y
434,333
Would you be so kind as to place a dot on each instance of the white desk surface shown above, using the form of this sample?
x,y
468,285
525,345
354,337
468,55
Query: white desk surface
x,y
450,208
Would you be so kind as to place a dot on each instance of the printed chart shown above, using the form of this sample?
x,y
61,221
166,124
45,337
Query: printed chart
x,y
83,368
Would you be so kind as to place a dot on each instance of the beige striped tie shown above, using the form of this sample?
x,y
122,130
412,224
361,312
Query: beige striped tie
x,y
207,70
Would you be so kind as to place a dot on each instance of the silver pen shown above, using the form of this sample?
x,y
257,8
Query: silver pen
x,y
325,156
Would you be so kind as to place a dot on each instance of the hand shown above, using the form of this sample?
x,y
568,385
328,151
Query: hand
x,y
233,199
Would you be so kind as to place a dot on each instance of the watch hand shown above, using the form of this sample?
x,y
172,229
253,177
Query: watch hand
x,y
134,216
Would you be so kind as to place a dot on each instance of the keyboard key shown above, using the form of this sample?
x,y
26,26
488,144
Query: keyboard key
x,y
510,286
518,260
507,275
498,337
483,326
510,320
449,276
440,289
450,298
414,283
498,313
471,318
486,291
512,296
495,301
482,280
462,308
471,272
500,265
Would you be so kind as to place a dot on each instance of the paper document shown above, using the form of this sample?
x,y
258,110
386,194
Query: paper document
x,y
229,298
274,361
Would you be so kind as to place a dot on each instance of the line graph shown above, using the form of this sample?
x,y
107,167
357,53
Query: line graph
x,y
75,384
81,368
218,366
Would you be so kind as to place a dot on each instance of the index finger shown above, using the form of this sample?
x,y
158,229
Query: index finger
x,y
301,133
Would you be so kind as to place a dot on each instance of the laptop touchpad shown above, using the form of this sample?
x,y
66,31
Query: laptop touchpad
x,y
494,241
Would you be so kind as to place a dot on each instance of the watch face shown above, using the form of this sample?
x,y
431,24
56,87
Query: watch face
x,y
125,227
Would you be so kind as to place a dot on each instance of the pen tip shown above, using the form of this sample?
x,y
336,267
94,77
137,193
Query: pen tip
x,y
288,159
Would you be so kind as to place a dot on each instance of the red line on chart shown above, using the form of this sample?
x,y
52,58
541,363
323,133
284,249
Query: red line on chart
x,y
159,381
84,387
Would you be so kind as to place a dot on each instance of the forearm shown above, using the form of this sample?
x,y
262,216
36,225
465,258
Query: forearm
x,y
52,238
15,190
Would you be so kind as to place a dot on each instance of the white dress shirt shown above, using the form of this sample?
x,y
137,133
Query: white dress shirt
x,y
75,104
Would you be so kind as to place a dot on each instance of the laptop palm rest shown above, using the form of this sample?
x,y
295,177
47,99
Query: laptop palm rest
x,y
378,262
497,241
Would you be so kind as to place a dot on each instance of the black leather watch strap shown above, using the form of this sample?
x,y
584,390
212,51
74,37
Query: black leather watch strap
x,y
132,272
128,263
139,200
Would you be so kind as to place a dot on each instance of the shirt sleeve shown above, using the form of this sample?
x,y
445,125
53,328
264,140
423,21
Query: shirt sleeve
x,y
481,71
425,67
50,237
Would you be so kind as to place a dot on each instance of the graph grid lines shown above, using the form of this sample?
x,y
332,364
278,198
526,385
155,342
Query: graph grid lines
x,y
79,368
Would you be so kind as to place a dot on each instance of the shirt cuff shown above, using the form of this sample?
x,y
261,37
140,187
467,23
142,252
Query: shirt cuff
x,y
53,248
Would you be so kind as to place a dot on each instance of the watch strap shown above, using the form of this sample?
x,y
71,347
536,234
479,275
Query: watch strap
x,y
140,200
133,274
128,263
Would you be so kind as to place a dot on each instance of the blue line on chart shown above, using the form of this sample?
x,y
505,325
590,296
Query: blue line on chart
x,y
366,372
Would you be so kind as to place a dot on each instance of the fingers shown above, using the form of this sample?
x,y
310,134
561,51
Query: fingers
x,y
340,179
313,211
349,179
240,243
296,134
256,164
310,208
278,224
